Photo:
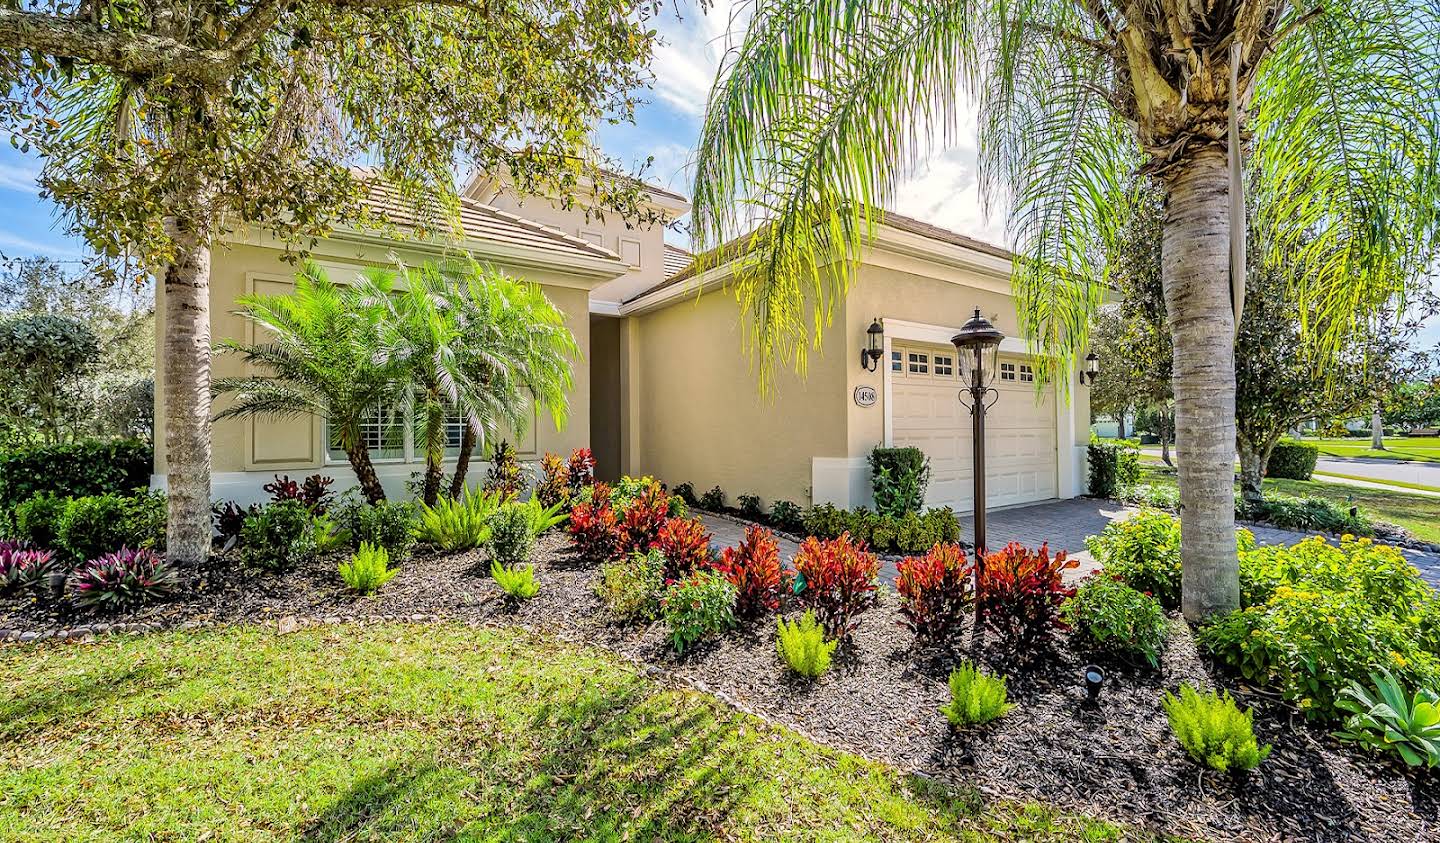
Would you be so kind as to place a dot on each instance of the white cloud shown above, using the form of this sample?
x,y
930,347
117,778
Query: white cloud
x,y
671,167
686,61
19,177
14,245
946,192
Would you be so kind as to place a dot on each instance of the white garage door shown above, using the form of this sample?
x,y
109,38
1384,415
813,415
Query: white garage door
x,y
1019,428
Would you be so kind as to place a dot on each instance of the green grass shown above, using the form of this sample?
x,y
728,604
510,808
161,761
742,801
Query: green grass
x,y
1417,449
1383,481
1417,513
443,732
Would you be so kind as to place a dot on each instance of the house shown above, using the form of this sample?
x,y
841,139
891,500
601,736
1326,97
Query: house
x,y
664,387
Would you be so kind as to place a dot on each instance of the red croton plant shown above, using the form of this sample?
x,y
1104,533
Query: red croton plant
x,y
836,578
754,569
935,592
642,521
685,544
1020,592
594,528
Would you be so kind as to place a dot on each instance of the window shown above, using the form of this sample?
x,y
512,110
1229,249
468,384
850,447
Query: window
x,y
382,430
1027,374
944,366
896,362
454,431
1007,371
919,363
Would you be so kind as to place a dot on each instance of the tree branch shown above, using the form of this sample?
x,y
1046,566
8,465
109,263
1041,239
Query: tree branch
x,y
123,52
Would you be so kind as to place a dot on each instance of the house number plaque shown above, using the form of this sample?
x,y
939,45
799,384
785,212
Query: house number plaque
x,y
865,396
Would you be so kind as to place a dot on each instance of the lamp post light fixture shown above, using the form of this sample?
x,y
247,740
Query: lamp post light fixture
x,y
1091,370
977,346
874,346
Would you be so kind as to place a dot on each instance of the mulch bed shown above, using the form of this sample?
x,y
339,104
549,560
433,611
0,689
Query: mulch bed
x,y
880,699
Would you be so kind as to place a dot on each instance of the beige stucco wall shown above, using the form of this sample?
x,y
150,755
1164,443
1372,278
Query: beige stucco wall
x,y
700,419
263,447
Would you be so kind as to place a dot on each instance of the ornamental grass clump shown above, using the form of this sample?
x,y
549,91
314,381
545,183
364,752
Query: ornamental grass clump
x,y
121,581
802,645
836,578
517,581
702,604
368,569
935,592
754,569
976,698
23,567
1213,731
1111,617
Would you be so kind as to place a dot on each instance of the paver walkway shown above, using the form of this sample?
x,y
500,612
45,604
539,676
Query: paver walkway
x,y
1063,525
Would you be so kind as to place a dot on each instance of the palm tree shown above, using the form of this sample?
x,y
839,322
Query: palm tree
x,y
825,104
517,349
322,360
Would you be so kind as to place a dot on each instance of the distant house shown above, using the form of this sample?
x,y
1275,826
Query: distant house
x,y
663,387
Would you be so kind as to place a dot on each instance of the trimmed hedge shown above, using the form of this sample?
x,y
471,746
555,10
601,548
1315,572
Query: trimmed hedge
x,y
117,466
1112,467
898,477
1292,460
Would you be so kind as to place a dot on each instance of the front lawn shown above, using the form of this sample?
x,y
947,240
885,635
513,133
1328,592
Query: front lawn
x,y
1417,449
1416,513
442,732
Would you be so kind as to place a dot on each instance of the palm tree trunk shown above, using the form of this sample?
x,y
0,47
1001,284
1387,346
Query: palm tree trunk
x,y
1196,250
434,450
462,462
187,389
365,475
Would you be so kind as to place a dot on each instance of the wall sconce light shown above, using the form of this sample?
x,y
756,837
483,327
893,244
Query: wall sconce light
x,y
1091,370
874,347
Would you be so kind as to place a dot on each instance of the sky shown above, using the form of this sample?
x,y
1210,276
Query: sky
x,y
944,190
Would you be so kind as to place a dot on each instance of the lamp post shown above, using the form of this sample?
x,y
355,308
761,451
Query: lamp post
x,y
977,346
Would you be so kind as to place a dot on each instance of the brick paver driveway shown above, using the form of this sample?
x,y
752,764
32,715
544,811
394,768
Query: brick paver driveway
x,y
1061,524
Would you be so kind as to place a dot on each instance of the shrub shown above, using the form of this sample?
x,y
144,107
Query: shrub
x,y
935,592
1020,592
1143,551
802,645
512,535
1153,495
633,587
686,493
76,470
713,500
462,523
754,569
580,470
1213,731
685,544
517,581
329,535
389,524
1112,617
505,476
278,537
542,518
594,529
37,520
1390,721
976,698
825,521
554,486
1292,460
1305,514
787,516
228,518
368,569
836,578
644,513
99,524
943,525
23,567
120,581
699,605
1379,573
751,508
1112,467
910,533
898,477
313,491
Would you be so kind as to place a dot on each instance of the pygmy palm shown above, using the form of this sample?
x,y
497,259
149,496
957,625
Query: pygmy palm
x,y
827,103
321,360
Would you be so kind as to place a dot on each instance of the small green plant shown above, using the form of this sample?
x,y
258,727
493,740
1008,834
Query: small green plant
x,y
787,516
751,508
543,518
976,698
517,581
329,535
802,645
505,477
37,520
1213,730
713,500
898,477
633,587
390,524
700,605
686,493
1113,617
368,569
512,535
461,523
99,524
1385,719
278,537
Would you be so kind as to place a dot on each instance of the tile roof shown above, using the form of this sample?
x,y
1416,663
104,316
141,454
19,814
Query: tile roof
x,y
676,260
480,221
